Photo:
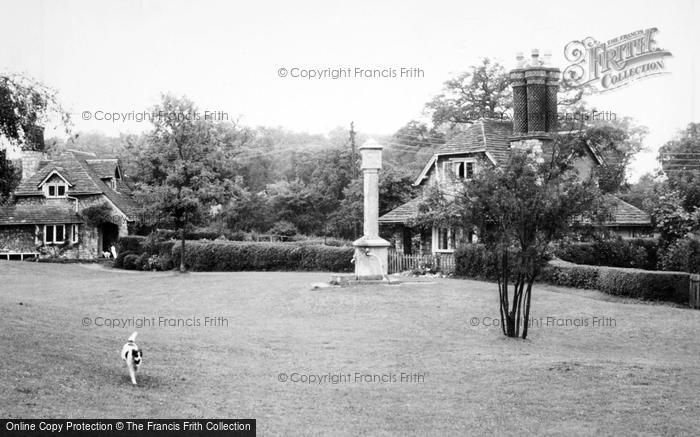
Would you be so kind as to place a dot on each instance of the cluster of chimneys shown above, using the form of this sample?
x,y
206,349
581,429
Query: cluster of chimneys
x,y
535,87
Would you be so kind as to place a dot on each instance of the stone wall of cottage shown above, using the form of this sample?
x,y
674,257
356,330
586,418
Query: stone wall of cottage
x,y
17,239
87,247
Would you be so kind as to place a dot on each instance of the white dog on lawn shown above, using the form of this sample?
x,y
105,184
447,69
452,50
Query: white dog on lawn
x,y
132,355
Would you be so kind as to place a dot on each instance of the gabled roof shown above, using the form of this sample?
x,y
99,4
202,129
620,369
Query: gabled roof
x,y
491,137
28,214
488,135
625,214
403,213
85,179
54,171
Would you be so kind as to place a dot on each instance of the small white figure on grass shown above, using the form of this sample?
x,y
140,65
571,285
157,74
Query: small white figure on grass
x,y
132,355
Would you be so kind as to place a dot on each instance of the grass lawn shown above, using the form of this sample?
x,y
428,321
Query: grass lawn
x,y
640,376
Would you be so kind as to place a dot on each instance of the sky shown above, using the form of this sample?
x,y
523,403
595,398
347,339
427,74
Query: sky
x,y
108,57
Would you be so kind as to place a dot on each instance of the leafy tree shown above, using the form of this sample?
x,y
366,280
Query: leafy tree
x,y
25,104
645,193
482,91
672,220
179,180
9,177
517,211
412,145
680,161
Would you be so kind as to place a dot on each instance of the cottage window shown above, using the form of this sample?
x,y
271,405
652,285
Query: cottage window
x,y
75,233
461,169
54,234
56,190
446,239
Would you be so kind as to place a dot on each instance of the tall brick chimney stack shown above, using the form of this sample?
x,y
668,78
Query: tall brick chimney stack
x,y
535,86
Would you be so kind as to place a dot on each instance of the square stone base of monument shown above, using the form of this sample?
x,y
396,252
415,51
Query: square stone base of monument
x,y
371,258
350,279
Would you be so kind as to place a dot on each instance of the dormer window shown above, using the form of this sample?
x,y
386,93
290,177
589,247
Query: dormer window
x,y
55,190
460,168
54,185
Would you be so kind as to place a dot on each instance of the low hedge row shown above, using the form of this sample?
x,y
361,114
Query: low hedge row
x,y
640,253
474,261
637,283
237,256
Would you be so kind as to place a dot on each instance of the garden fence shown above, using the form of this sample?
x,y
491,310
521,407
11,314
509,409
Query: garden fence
x,y
695,291
443,262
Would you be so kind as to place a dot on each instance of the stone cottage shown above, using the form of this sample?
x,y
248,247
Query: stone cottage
x,y
488,142
75,206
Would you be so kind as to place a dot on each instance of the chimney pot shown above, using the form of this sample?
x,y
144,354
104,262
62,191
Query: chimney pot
x,y
547,58
535,58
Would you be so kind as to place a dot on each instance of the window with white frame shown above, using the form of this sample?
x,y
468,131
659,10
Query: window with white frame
x,y
460,168
55,190
445,239
54,234
74,233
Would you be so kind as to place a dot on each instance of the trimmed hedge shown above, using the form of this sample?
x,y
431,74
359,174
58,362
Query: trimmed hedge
x,y
237,256
644,284
636,283
641,253
567,274
473,261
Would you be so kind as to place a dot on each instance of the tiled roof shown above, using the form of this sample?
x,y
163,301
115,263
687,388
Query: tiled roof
x,y
403,213
69,166
487,135
625,214
86,179
26,214
103,167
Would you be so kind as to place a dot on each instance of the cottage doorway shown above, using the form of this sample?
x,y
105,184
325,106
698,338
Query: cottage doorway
x,y
110,234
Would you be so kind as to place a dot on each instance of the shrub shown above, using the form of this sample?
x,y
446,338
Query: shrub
x,y
474,261
130,243
236,256
682,255
97,215
236,236
119,261
284,228
639,253
131,261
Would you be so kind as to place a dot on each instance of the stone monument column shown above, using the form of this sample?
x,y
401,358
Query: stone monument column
x,y
371,251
